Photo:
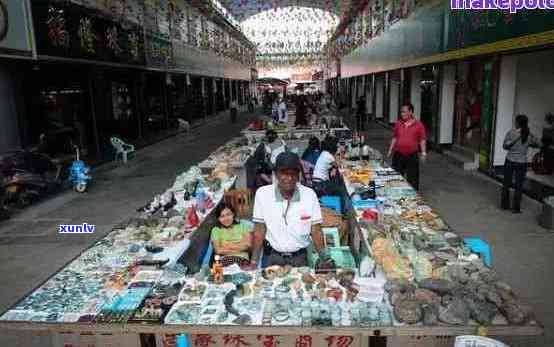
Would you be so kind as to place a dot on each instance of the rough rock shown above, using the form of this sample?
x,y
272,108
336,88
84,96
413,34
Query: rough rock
x,y
396,297
136,223
505,294
460,291
430,314
455,313
172,213
489,276
504,286
176,221
420,243
408,311
399,285
453,239
439,286
493,297
472,286
481,311
427,296
458,273
152,222
514,313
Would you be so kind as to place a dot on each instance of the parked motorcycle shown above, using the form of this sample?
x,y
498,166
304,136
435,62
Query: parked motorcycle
x,y
79,174
28,176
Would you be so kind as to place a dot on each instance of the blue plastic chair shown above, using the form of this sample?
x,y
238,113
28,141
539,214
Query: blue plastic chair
x,y
478,246
331,201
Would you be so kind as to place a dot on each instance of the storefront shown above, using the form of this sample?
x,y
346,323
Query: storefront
x,y
59,108
523,88
219,94
177,94
210,96
155,120
469,103
122,93
15,47
10,83
430,86
379,95
395,83
196,98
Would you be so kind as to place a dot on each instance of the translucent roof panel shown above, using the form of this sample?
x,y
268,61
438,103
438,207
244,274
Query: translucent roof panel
x,y
286,30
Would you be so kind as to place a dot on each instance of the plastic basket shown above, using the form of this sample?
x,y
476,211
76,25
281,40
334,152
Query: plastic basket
x,y
365,204
341,255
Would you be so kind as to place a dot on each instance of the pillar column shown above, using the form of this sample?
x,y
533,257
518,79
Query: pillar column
x,y
446,105
505,105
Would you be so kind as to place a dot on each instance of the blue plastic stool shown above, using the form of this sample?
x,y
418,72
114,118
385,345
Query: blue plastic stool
x,y
476,245
183,340
331,201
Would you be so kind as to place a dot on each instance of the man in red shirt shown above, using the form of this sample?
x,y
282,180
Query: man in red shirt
x,y
409,136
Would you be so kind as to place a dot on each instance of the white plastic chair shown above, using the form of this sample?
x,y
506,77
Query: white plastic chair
x,y
122,148
183,125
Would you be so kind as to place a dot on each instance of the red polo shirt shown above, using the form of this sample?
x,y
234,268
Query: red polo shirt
x,y
408,137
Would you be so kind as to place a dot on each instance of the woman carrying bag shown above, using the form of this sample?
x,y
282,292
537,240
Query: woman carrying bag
x,y
517,143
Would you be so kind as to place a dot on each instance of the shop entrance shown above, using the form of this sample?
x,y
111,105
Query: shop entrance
x,y
469,103
430,100
474,111
59,109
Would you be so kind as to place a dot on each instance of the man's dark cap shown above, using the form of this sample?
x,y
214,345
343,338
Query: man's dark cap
x,y
287,161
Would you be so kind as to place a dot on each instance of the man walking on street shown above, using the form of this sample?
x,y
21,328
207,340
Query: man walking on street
x,y
409,137
360,113
234,110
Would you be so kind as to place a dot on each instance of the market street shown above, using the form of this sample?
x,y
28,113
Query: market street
x,y
32,250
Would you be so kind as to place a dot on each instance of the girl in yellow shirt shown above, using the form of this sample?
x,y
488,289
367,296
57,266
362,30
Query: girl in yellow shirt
x,y
230,239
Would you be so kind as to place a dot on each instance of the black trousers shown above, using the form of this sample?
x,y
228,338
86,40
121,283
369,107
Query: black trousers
x,y
407,166
233,115
271,257
360,122
517,171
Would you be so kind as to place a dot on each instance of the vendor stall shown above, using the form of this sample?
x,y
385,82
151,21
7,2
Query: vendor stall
x,y
397,271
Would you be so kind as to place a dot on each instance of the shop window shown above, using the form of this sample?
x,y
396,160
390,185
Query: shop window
x,y
178,100
155,120
62,115
125,122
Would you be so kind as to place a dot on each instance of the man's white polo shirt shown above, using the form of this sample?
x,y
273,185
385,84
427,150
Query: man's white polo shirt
x,y
288,223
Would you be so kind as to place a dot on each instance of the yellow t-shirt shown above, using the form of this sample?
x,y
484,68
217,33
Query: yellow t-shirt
x,y
233,234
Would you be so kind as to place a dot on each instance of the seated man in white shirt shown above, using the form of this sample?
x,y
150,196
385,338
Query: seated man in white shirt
x,y
287,217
